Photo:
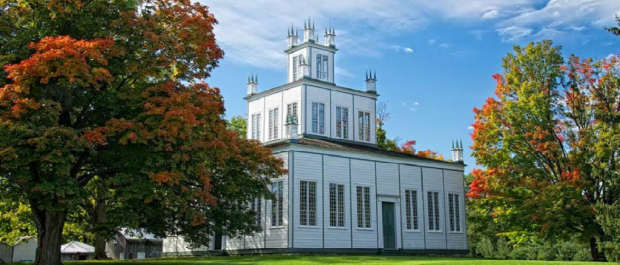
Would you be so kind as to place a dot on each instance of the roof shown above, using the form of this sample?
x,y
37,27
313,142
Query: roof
x,y
23,240
76,247
137,234
358,147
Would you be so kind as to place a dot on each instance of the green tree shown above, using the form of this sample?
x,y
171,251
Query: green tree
x,y
549,143
113,89
615,30
382,141
239,124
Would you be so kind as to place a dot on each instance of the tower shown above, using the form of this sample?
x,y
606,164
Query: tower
x,y
310,59
457,151
330,37
292,37
309,31
371,82
252,84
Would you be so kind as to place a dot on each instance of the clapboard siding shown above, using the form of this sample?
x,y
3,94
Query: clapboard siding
x,y
277,237
271,102
433,181
367,105
344,100
319,95
411,179
290,96
256,107
308,167
387,179
336,170
363,174
454,184
257,240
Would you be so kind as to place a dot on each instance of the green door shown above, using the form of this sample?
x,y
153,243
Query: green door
x,y
389,233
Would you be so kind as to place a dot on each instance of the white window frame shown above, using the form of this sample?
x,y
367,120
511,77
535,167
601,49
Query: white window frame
x,y
296,114
337,205
454,205
433,206
277,205
256,120
412,210
343,121
295,67
364,123
365,211
308,216
274,123
318,120
256,205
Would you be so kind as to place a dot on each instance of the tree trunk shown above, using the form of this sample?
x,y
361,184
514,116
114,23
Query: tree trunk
x,y
99,217
100,247
596,255
49,235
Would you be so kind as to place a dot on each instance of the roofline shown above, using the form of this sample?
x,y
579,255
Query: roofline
x,y
312,44
311,81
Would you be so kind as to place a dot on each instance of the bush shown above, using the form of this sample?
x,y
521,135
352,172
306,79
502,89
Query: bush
x,y
503,249
545,252
485,247
567,250
523,253
583,255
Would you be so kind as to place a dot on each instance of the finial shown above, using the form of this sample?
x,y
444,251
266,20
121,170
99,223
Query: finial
x,y
305,27
366,74
313,24
461,144
452,144
375,77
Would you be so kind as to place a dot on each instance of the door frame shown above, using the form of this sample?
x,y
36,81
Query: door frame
x,y
397,219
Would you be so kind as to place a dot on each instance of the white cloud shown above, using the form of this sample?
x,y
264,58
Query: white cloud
x,y
432,42
408,50
398,48
444,45
412,109
416,103
514,33
490,14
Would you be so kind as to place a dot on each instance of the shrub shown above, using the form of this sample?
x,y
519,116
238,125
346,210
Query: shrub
x,y
503,249
567,250
522,253
485,247
545,252
583,255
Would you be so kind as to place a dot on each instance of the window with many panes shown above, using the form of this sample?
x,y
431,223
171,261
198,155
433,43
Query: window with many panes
x,y
454,211
363,207
291,113
336,205
296,62
411,205
256,206
256,121
307,201
318,118
322,66
342,122
274,116
433,211
364,126
277,204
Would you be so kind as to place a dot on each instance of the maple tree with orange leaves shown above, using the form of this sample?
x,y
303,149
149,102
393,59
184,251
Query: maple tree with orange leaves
x,y
115,90
548,142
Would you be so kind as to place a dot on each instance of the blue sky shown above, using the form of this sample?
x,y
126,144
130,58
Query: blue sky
x,y
434,59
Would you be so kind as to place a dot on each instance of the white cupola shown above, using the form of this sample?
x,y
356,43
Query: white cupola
x,y
293,37
252,84
457,151
371,82
330,37
309,31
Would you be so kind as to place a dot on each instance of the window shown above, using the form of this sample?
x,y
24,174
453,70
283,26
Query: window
x,y
411,204
318,118
307,201
322,67
342,122
255,206
336,205
277,204
363,207
256,120
454,211
433,211
274,116
364,126
295,64
291,111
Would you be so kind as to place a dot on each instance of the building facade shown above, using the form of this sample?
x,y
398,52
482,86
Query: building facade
x,y
342,193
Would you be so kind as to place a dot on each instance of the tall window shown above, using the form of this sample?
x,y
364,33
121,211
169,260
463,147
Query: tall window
x,y
411,203
318,118
364,123
291,111
342,122
433,211
322,66
255,206
274,116
336,205
363,207
454,211
295,63
307,200
256,120
277,204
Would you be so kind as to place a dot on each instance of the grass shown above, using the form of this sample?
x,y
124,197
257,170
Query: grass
x,y
327,259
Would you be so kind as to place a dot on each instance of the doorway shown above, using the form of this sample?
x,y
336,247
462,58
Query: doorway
x,y
389,233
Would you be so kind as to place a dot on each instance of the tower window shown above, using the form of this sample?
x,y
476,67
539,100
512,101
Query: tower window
x,y
342,122
318,118
274,115
256,120
364,126
433,211
296,62
322,67
277,204
291,113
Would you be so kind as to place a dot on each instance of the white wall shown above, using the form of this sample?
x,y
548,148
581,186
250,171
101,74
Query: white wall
x,y
308,168
367,105
336,170
363,174
454,184
411,179
25,251
278,100
343,100
177,244
319,95
277,237
433,181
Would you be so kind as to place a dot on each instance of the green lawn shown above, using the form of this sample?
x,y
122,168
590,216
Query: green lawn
x,y
343,260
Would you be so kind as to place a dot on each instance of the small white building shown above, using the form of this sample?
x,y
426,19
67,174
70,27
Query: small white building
x,y
342,193
75,250
25,249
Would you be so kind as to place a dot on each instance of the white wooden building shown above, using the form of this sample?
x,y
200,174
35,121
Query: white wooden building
x,y
342,193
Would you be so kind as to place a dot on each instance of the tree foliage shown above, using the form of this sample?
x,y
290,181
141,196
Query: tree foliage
x,y
548,142
239,124
115,90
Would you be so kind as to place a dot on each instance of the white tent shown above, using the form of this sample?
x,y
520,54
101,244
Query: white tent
x,y
75,250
